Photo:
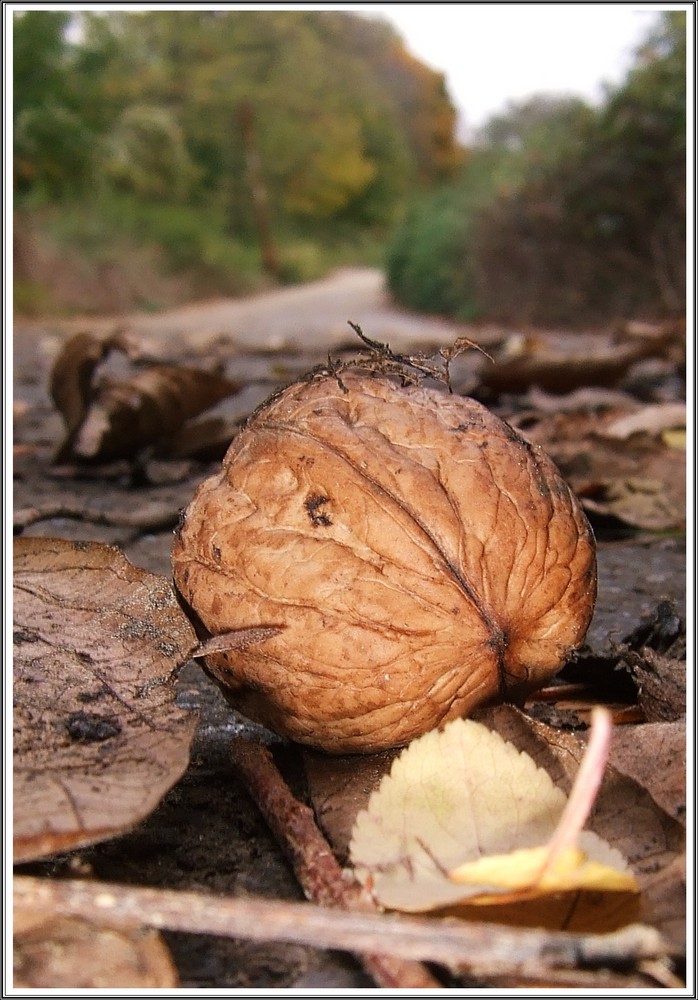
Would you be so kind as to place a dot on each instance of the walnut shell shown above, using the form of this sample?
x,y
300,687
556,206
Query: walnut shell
x,y
421,556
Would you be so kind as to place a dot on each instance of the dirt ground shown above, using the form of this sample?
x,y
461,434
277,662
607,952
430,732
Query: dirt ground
x,y
207,834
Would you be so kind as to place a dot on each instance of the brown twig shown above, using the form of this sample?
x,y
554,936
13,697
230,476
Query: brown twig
x,y
144,519
485,950
566,692
316,867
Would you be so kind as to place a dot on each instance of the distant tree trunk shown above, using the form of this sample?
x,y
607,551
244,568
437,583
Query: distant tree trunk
x,y
258,191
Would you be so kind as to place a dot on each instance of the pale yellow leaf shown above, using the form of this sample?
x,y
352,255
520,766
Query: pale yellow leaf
x,y
454,797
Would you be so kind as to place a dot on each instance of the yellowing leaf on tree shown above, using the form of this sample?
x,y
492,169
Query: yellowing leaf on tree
x,y
464,817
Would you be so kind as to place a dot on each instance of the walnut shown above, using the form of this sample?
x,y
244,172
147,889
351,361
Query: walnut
x,y
419,557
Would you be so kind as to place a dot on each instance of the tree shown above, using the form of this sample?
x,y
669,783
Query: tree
x,y
146,154
53,144
347,121
565,214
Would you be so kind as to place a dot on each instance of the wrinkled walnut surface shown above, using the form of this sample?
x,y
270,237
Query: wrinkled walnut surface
x,y
421,556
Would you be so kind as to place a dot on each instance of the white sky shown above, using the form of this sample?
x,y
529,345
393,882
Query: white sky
x,y
493,53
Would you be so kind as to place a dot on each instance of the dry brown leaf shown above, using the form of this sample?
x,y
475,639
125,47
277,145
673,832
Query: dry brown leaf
x,y
98,739
639,481
206,440
661,683
71,382
663,339
654,654
125,416
662,629
654,755
637,501
650,419
108,418
556,365
487,827
71,953
340,788
583,401
664,898
74,377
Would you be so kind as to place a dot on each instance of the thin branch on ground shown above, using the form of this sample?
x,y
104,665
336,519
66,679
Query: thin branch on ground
x,y
314,863
148,518
484,950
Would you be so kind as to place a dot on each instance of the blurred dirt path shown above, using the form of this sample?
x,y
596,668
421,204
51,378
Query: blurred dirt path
x,y
304,317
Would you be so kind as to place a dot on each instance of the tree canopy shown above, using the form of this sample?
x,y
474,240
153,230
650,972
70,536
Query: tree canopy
x,y
346,121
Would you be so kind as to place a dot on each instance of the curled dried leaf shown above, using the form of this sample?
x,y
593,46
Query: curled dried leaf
x,y
108,418
72,376
555,366
649,420
126,416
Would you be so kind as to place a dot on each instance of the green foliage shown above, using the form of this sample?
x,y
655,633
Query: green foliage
x,y
188,237
146,154
53,145
563,214
336,127
542,127
318,118
39,51
51,150
429,261
31,298
426,263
